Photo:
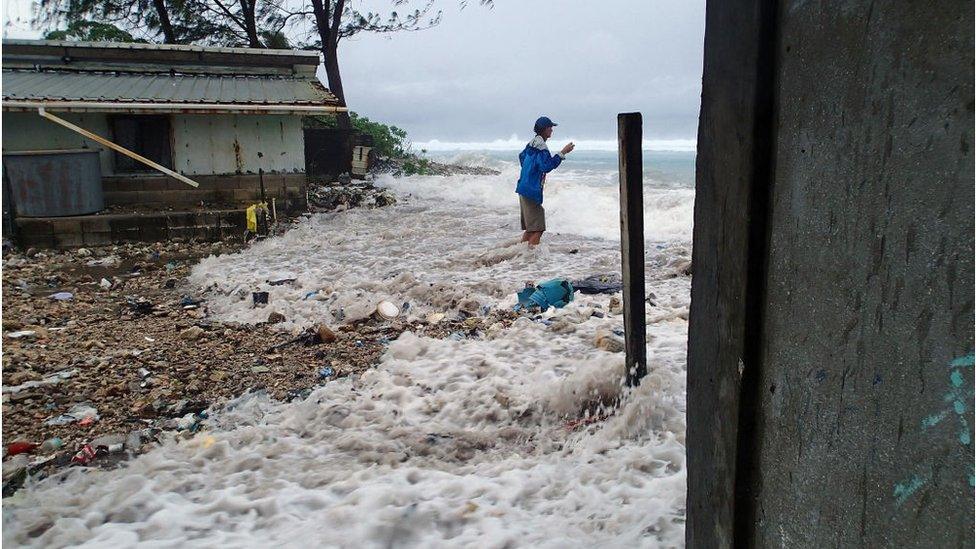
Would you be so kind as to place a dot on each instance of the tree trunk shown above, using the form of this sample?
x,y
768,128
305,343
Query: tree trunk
x,y
169,36
327,19
335,85
250,23
332,72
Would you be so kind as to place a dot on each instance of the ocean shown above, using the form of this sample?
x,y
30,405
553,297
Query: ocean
x,y
582,195
497,439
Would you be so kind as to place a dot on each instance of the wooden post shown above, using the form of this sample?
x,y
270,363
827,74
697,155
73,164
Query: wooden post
x,y
629,136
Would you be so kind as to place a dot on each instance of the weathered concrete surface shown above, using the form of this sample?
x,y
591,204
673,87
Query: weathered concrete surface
x,y
870,281
858,428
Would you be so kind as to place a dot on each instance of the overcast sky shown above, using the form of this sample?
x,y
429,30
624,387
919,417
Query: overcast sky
x,y
486,74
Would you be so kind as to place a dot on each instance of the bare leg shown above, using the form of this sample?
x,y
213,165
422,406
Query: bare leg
x,y
534,238
525,236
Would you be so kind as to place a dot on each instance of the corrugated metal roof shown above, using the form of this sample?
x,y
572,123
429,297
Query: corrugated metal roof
x,y
311,56
163,88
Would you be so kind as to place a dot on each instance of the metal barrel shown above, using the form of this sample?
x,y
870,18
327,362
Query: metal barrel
x,y
53,183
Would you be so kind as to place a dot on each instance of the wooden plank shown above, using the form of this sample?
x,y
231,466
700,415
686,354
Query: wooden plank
x,y
119,148
629,136
732,177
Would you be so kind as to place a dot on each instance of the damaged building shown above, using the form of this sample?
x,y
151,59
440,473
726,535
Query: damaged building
x,y
111,142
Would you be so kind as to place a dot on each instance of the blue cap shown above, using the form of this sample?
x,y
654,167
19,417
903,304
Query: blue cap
x,y
544,122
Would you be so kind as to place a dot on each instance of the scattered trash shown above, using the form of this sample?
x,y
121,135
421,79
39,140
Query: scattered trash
x,y
456,336
20,447
21,333
260,369
84,456
192,333
281,281
313,293
551,293
326,372
77,413
259,298
387,310
85,422
107,261
598,314
105,284
140,306
51,445
170,266
143,373
599,284
616,306
434,318
188,302
62,296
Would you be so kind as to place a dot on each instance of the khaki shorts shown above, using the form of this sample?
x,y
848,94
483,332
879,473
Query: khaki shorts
x,y
533,215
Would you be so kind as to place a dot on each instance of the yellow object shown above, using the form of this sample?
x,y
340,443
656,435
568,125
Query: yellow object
x,y
252,218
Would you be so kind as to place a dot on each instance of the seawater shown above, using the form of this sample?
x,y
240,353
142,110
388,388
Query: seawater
x,y
465,442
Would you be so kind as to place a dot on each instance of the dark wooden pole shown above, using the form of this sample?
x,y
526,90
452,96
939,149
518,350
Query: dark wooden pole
x,y
629,136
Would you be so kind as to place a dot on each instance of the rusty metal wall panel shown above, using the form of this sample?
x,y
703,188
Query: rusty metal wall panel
x,y
237,144
54,183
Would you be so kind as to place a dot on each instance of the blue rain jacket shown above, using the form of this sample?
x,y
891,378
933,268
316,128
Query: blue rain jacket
x,y
536,162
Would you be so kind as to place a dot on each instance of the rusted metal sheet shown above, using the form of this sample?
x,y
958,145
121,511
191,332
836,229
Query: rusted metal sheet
x,y
55,183
156,88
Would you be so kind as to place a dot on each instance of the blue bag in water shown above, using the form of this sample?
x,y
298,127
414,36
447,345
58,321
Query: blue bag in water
x,y
551,293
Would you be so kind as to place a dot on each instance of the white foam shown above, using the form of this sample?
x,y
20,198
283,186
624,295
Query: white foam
x,y
516,142
580,202
446,443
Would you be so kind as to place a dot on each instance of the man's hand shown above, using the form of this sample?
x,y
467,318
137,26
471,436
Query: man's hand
x,y
568,148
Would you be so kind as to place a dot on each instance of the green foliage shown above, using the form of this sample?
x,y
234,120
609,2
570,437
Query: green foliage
x,y
91,31
387,140
416,166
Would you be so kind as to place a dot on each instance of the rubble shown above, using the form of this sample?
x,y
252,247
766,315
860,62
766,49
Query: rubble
x,y
407,166
337,196
139,360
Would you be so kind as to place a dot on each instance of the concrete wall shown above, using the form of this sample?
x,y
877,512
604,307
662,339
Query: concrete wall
x,y
830,389
202,144
225,144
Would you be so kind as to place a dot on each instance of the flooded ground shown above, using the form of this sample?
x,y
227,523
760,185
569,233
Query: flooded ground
x,y
517,435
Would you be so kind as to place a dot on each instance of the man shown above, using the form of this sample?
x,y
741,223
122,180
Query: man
x,y
536,163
